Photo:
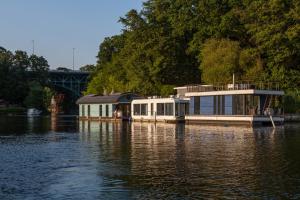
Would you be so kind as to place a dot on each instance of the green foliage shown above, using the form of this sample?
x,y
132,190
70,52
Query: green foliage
x,y
14,81
39,67
38,96
48,93
63,69
220,59
12,110
292,101
176,42
35,96
88,68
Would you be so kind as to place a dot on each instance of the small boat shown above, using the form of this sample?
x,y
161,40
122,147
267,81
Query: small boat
x,y
32,112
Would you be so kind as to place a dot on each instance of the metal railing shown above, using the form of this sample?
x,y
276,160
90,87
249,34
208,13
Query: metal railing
x,y
237,86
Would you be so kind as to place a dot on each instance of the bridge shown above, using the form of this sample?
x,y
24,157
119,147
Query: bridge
x,y
73,82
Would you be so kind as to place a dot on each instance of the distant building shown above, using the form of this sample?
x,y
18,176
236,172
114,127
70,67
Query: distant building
x,y
113,106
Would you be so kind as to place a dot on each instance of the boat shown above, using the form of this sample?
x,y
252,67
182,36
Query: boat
x,y
32,112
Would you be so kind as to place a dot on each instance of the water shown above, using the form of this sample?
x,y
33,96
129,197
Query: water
x,y
42,158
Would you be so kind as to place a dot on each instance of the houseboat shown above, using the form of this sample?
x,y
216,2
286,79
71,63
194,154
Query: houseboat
x,y
234,104
115,106
159,109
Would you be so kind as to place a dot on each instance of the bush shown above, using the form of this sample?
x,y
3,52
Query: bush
x,y
292,102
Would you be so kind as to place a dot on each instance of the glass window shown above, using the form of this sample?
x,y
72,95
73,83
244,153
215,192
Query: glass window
x,y
238,104
144,109
106,110
177,109
100,110
160,107
151,109
82,110
207,105
187,108
89,110
228,105
196,105
169,109
136,109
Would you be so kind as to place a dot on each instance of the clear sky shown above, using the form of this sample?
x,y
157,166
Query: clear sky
x,y
58,26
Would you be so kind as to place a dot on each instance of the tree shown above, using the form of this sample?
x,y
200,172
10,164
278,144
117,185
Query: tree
x,y
88,68
14,79
35,97
39,67
164,45
220,59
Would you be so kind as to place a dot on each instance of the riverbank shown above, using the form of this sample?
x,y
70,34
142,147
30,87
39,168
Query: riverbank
x,y
292,117
12,111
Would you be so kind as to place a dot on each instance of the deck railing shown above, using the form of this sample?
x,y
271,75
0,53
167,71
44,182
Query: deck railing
x,y
236,86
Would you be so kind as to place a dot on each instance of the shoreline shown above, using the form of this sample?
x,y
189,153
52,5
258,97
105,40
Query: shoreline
x,y
292,118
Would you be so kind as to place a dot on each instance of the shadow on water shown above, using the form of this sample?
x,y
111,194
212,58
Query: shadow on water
x,y
61,158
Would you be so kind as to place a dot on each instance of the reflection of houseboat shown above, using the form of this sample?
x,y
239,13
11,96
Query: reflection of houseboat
x,y
159,109
234,103
113,106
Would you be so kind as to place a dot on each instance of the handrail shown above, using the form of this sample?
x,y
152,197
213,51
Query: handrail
x,y
237,86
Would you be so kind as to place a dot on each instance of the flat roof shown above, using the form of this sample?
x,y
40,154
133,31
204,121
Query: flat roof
x,y
186,86
232,92
159,100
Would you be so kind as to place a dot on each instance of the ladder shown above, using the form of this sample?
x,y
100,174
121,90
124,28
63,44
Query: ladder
x,y
271,118
267,105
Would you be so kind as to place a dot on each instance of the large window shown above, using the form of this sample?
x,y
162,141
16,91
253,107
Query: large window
x,y
238,104
196,105
140,109
151,109
181,109
207,105
136,109
169,109
144,109
106,110
89,110
160,107
228,105
82,110
100,110
177,109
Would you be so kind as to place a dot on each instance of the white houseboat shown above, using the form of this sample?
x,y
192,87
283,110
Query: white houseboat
x,y
234,104
159,109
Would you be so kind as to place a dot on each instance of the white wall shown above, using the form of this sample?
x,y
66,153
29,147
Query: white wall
x,y
94,110
155,101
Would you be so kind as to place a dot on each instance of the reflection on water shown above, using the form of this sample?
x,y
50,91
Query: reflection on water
x,y
169,160
64,159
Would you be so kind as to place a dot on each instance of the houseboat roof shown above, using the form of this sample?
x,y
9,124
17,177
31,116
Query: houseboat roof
x,y
231,89
112,98
236,92
160,100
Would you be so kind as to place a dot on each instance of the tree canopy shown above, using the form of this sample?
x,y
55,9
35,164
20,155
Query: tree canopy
x,y
177,42
14,79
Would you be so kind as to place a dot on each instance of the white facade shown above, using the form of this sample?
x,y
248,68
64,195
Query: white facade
x,y
159,109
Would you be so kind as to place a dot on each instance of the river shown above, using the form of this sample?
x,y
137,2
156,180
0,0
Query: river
x,y
62,158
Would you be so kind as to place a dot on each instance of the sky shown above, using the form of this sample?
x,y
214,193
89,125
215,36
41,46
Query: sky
x,y
58,26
